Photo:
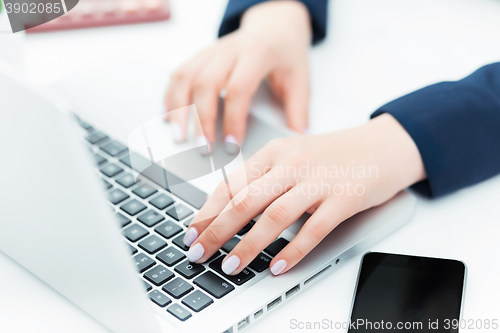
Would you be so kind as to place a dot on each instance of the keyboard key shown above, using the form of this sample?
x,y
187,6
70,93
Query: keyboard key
x,y
99,159
132,249
96,137
179,241
215,255
135,232
275,247
107,185
113,148
111,170
144,191
168,229
170,256
188,222
127,180
214,285
197,301
260,263
150,218
159,298
116,196
147,286
143,262
152,244
189,269
177,288
179,212
229,246
133,207
238,279
158,275
187,192
190,194
84,125
122,220
246,228
126,160
179,312
161,201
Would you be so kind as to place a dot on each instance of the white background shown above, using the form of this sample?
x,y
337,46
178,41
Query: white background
x,y
375,51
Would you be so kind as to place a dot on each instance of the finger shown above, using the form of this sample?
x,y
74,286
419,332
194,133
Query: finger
x,y
257,166
249,203
178,93
178,120
242,85
206,90
296,100
328,216
282,213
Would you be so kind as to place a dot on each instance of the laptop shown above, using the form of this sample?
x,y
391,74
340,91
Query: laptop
x,y
112,246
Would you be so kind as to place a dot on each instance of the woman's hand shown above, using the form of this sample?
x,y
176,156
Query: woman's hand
x,y
332,176
273,42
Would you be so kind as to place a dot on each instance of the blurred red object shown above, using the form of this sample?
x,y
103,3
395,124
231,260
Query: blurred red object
x,y
98,13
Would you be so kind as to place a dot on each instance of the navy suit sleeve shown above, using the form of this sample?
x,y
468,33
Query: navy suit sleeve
x,y
456,127
235,9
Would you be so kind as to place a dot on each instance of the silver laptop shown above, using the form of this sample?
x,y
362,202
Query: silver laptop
x,y
113,247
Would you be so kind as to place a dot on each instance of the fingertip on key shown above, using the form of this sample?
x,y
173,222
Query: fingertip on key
x,y
190,236
278,267
230,264
231,144
195,252
203,145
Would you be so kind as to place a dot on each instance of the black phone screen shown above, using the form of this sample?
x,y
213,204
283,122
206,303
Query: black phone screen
x,y
407,294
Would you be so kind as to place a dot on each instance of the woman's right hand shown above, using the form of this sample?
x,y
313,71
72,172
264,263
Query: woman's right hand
x,y
332,176
272,42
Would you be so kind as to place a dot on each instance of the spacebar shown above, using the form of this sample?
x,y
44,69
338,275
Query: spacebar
x,y
187,192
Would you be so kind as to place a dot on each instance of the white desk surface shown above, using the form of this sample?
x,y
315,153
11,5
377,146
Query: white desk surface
x,y
375,51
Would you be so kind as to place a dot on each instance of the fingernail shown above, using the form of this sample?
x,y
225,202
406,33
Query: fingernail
x,y
196,252
278,267
231,145
203,145
190,236
230,264
176,131
223,93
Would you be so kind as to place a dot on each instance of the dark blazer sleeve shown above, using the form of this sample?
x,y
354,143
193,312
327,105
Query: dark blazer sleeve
x,y
235,9
456,127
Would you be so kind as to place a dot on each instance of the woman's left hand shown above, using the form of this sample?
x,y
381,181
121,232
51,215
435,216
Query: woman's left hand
x,y
332,176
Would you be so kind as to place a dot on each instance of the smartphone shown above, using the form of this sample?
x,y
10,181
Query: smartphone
x,y
407,294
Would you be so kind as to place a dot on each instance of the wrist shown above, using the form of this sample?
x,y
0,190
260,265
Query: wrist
x,y
291,13
399,155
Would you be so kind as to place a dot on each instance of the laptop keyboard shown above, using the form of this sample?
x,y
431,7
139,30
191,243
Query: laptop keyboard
x,y
154,222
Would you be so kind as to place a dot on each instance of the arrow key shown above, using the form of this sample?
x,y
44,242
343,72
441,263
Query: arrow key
x,y
197,301
177,288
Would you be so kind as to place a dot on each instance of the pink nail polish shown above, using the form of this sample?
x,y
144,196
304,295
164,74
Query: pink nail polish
x,y
278,267
190,236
